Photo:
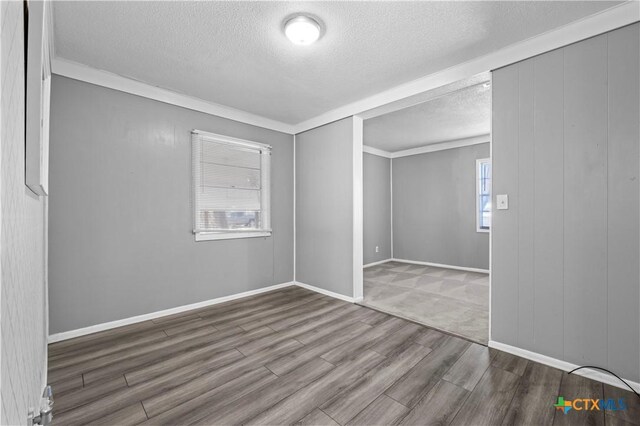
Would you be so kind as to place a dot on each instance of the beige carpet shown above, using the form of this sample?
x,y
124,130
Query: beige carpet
x,y
446,299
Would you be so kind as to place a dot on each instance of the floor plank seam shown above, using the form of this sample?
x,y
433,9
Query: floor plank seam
x,y
145,410
513,395
467,396
325,413
453,419
241,353
273,372
553,421
390,397
428,326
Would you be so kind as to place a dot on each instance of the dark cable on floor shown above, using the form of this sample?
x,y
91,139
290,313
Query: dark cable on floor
x,y
610,372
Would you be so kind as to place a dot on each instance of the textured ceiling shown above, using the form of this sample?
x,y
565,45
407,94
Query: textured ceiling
x,y
461,114
235,53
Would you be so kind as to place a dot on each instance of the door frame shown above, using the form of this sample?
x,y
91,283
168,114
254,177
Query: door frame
x,y
358,192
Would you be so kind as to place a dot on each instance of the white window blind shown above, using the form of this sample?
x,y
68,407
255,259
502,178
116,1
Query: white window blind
x,y
231,183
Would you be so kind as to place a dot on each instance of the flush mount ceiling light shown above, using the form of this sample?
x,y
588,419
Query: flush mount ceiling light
x,y
302,30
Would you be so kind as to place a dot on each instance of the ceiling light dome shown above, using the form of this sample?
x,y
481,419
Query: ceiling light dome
x,y
302,30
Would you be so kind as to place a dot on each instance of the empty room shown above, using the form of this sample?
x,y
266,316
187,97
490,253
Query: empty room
x,y
427,209
320,213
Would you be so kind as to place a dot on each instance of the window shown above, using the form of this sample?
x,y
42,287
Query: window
x,y
483,194
231,185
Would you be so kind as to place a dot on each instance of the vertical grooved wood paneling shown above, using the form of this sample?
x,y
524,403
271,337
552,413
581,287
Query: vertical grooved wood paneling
x,y
526,202
23,299
623,212
566,148
585,218
504,280
548,160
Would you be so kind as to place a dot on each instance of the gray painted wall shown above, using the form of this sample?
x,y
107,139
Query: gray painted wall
x,y
566,136
324,207
434,205
120,217
23,301
377,207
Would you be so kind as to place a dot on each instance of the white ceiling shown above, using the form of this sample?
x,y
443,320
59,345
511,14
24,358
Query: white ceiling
x,y
463,113
235,54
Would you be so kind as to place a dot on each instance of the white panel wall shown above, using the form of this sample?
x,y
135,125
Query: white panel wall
x,y
23,296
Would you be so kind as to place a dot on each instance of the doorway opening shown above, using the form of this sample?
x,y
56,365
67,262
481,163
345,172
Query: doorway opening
x,y
427,209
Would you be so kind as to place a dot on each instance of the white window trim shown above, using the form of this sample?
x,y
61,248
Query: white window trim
x,y
228,235
478,162
210,236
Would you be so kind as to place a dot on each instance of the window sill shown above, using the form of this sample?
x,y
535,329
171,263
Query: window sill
x,y
204,236
486,231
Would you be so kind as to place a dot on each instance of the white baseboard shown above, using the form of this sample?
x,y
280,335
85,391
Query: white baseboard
x,y
57,337
563,365
377,263
441,265
327,292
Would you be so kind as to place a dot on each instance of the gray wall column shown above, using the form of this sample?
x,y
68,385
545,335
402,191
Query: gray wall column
x,y
566,149
324,207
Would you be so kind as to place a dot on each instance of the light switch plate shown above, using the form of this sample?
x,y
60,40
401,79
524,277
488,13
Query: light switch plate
x,y
502,202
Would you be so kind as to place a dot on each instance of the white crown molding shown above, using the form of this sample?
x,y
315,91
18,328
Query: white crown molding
x,y
376,151
57,337
607,20
428,96
117,82
563,365
441,146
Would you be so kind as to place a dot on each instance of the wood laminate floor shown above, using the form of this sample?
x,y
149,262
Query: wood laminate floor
x,y
294,356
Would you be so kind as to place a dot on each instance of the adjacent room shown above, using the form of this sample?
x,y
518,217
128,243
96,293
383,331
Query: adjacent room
x,y
319,213
427,209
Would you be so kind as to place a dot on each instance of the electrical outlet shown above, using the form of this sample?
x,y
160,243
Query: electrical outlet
x,y
377,249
